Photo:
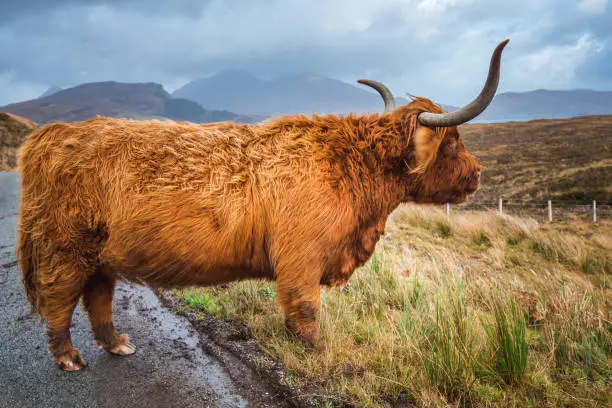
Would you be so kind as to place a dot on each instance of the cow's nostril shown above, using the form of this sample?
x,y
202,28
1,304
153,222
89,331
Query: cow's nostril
x,y
474,182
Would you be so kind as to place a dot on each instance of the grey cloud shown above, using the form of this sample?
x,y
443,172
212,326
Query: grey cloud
x,y
14,10
436,48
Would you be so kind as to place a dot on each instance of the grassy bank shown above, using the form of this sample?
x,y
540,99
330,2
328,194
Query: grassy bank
x,y
479,310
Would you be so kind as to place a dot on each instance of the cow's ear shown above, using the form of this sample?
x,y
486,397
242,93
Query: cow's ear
x,y
426,144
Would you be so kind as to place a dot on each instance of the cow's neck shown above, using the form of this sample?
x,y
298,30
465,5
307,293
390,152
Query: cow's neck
x,y
367,164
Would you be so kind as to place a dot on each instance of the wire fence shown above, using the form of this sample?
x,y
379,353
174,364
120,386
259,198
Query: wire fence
x,y
549,210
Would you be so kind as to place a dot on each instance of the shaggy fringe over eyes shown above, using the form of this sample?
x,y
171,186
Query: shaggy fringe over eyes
x,y
417,106
420,169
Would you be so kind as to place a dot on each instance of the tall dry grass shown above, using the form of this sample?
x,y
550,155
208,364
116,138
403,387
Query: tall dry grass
x,y
478,310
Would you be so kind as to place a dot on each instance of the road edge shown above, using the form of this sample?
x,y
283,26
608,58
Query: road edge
x,y
235,347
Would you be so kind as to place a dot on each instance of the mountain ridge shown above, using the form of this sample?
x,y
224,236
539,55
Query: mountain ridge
x,y
242,97
116,99
306,93
309,93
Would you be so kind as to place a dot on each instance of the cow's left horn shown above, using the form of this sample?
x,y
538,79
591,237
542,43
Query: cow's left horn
x,y
383,91
478,105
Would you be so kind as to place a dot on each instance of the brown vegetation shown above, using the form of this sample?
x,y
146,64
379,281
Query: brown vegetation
x,y
13,132
562,159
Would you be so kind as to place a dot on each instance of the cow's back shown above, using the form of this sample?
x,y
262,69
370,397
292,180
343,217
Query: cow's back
x,y
98,164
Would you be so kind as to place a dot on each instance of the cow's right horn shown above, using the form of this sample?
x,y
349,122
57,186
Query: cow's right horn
x,y
478,105
383,91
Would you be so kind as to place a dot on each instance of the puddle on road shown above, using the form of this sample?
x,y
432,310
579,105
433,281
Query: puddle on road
x,y
174,339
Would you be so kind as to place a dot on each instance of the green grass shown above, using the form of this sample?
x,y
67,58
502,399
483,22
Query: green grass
x,y
205,301
592,264
484,311
508,336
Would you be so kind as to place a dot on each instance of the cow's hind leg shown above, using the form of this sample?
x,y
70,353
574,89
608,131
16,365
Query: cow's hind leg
x,y
98,301
61,289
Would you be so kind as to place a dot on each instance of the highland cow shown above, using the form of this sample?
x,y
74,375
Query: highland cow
x,y
301,200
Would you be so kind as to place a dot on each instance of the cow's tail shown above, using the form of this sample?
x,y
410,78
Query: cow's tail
x,y
26,256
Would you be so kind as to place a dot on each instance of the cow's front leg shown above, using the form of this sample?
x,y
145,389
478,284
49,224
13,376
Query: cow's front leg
x,y
300,297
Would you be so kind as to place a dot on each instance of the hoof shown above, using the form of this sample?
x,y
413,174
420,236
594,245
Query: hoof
x,y
70,362
314,346
308,336
123,348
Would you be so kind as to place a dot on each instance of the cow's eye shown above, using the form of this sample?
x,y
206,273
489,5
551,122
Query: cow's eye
x,y
450,148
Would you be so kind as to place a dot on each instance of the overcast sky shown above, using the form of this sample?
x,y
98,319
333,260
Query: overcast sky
x,y
435,48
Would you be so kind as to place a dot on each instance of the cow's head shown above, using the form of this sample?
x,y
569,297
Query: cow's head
x,y
440,169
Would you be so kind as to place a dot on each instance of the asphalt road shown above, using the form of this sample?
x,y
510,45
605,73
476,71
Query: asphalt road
x,y
169,369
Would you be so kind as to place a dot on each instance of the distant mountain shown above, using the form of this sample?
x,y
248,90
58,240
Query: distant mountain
x,y
89,100
184,109
543,104
238,91
114,99
216,98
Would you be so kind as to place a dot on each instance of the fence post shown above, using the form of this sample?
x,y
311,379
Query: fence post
x,y
594,211
549,211
501,209
447,210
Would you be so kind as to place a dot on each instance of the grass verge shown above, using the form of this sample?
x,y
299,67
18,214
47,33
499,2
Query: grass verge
x,y
478,310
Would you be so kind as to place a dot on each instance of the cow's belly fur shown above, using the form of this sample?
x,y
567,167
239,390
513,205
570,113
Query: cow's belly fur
x,y
172,254
179,252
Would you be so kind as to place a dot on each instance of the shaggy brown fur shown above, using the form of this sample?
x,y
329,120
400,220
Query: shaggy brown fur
x,y
300,200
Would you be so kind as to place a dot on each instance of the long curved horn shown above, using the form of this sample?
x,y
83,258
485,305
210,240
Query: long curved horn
x,y
475,107
383,91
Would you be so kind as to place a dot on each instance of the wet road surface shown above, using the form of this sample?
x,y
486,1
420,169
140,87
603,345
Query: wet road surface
x,y
169,369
